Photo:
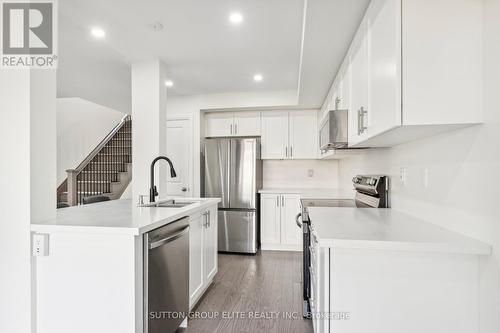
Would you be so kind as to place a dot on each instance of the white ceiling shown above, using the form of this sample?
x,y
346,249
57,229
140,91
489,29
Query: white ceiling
x,y
205,53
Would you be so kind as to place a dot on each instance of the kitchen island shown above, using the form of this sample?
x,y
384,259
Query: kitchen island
x,y
380,270
90,279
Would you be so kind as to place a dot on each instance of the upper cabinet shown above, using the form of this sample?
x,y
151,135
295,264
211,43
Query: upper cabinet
x,y
221,124
412,70
289,135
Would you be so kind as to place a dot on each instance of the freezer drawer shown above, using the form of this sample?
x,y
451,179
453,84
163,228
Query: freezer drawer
x,y
237,231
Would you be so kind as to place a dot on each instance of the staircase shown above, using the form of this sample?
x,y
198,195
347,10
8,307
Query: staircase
x,y
106,172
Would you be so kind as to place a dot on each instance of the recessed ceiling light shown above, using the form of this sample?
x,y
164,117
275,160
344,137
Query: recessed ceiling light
x,y
98,32
236,18
169,83
258,77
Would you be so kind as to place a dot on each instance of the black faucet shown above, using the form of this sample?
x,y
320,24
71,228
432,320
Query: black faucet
x,y
152,191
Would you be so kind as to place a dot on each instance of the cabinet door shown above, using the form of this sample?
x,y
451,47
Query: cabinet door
x,y
270,218
246,124
384,55
210,244
303,131
291,234
219,124
359,85
274,135
345,91
195,257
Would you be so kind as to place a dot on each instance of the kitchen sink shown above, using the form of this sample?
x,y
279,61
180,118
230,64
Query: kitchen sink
x,y
174,204
171,204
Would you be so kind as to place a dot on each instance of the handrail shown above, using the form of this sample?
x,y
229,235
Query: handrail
x,y
101,145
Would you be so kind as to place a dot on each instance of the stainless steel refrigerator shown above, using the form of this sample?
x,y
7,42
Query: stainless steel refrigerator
x,y
233,172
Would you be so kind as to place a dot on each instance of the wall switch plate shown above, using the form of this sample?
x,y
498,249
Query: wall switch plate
x,y
310,173
40,245
425,177
402,176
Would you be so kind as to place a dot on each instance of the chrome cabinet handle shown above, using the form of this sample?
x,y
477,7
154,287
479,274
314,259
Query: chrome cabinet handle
x,y
235,128
277,201
231,128
361,120
282,201
291,151
286,151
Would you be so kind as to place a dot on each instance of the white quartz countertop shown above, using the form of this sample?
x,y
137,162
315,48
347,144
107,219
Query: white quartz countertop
x,y
119,217
313,193
387,229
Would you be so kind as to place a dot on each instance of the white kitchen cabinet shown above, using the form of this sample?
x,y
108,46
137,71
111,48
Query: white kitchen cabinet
x,y
359,86
278,228
247,123
219,124
195,258
270,218
290,207
274,135
384,76
202,252
303,135
210,244
289,135
222,124
415,71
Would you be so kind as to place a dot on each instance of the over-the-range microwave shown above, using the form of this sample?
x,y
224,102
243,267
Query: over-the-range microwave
x,y
333,131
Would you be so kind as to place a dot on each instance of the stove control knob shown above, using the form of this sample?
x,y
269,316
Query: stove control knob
x,y
356,180
372,181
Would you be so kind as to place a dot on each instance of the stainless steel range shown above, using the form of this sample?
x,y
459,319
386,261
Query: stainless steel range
x,y
372,191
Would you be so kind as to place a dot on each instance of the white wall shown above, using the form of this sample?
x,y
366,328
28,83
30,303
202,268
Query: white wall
x,y
294,174
192,106
27,180
91,69
81,126
462,171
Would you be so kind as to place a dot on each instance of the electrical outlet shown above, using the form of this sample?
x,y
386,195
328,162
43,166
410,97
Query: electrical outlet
x,y
40,245
310,173
402,176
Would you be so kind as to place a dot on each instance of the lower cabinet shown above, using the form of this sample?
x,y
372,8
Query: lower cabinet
x,y
278,228
385,290
202,252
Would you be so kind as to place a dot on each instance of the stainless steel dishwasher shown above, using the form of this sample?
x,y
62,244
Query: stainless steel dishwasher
x,y
166,277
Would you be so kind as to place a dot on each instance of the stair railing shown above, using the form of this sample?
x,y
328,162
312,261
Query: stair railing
x,y
93,183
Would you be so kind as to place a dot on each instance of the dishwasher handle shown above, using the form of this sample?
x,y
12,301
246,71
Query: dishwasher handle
x,y
168,239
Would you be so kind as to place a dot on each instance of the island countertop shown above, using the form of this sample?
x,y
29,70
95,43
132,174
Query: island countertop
x,y
387,229
119,217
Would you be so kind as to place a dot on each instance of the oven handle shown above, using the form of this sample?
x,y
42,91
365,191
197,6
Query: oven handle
x,y
299,224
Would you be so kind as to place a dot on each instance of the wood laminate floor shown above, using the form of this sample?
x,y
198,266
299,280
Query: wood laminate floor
x,y
267,284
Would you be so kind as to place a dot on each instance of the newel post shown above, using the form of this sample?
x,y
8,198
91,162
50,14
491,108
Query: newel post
x,y
72,187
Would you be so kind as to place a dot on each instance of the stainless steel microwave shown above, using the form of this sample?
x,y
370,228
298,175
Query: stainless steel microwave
x,y
333,131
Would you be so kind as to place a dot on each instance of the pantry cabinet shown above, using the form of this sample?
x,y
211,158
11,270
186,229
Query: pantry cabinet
x,y
289,135
223,124
414,71
278,228
202,252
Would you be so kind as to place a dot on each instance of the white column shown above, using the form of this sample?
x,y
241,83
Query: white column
x,y
149,123
27,185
